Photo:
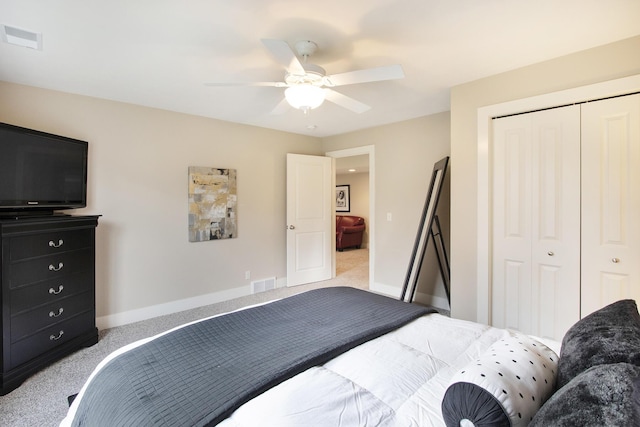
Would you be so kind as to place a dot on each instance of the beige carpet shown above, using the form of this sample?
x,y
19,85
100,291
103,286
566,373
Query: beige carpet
x,y
42,399
352,268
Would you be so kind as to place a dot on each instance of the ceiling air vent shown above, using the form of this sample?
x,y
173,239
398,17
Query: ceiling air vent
x,y
20,37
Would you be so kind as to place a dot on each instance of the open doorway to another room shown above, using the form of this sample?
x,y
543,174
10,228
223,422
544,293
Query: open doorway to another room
x,y
354,177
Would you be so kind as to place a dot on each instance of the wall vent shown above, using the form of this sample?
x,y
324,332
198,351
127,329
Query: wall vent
x,y
21,37
263,285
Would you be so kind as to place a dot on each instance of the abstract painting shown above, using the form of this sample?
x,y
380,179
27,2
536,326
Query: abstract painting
x,y
213,204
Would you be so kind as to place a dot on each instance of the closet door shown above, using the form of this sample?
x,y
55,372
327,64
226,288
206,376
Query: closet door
x,y
610,202
536,227
512,236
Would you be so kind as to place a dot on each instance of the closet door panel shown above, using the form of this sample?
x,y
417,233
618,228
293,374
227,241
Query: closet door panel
x,y
536,228
511,222
550,301
611,202
556,225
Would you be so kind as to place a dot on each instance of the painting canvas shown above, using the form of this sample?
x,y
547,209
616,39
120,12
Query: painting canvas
x,y
213,204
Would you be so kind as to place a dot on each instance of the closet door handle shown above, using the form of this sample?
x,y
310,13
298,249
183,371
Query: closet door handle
x,y
550,253
615,260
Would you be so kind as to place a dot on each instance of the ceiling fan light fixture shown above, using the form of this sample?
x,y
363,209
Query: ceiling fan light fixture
x,y
304,96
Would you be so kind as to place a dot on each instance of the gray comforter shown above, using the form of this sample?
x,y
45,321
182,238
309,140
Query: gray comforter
x,y
199,374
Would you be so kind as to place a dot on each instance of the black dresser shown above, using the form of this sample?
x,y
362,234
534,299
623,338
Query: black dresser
x,y
48,292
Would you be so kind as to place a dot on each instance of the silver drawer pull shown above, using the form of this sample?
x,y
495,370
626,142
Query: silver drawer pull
x,y
53,291
56,245
550,253
56,338
615,260
54,268
52,314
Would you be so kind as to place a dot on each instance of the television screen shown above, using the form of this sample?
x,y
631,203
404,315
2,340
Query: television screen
x,y
41,171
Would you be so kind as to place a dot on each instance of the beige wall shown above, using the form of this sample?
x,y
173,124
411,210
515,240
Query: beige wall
x,y
359,200
138,170
404,156
600,64
138,160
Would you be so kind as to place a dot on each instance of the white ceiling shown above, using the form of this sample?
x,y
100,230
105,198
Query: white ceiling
x,y
352,164
159,53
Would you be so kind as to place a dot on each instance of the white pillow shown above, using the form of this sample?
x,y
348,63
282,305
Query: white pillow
x,y
505,386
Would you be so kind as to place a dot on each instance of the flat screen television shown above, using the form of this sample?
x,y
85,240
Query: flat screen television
x,y
40,173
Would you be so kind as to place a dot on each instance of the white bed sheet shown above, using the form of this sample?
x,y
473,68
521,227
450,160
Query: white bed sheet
x,y
398,379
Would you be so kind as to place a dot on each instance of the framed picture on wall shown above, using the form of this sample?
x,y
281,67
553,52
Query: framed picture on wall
x,y
343,203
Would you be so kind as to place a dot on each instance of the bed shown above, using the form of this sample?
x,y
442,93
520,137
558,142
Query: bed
x,y
347,357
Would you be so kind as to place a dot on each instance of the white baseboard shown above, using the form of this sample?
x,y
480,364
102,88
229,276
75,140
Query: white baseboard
x,y
137,315
390,291
131,316
432,300
422,298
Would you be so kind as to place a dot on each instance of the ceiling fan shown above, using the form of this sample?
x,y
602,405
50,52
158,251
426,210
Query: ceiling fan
x,y
307,85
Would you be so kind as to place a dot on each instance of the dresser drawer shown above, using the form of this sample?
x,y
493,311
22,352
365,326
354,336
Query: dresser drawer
x,y
29,322
50,267
47,243
46,339
27,297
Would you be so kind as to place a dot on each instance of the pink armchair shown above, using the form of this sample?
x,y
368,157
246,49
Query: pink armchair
x,y
349,231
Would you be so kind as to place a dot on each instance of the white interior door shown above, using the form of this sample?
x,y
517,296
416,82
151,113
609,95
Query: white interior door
x,y
310,219
536,222
610,201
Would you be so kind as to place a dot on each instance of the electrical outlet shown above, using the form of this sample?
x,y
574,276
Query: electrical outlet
x,y
247,275
388,216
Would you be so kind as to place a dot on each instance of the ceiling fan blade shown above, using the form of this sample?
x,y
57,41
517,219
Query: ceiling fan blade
x,y
273,84
346,102
282,107
283,53
388,72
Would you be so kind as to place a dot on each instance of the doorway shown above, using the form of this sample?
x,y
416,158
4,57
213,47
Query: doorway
x,y
365,158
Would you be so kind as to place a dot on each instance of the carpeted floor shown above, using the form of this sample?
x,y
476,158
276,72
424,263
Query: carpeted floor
x,y
42,399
